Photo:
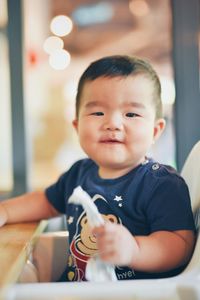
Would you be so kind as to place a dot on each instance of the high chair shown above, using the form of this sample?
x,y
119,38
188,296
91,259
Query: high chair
x,y
190,289
173,288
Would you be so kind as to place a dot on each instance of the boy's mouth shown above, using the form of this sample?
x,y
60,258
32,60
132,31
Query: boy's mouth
x,y
111,141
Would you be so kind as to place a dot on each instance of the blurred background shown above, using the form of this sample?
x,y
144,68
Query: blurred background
x,y
44,48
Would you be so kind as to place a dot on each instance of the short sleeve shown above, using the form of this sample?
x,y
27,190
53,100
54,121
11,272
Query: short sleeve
x,y
169,207
55,193
58,193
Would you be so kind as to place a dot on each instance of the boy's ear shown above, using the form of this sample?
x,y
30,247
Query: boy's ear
x,y
159,128
75,124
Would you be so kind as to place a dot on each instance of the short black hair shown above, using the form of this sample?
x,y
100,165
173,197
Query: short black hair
x,y
121,66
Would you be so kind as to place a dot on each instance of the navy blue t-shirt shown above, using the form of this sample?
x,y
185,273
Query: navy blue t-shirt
x,y
151,197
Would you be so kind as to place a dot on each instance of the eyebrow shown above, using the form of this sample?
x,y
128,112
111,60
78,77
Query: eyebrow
x,y
128,104
134,104
93,104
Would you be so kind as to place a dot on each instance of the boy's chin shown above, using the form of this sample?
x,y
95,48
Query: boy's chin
x,y
111,163
114,165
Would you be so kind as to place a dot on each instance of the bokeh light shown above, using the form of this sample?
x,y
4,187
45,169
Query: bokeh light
x,y
52,44
59,59
61,25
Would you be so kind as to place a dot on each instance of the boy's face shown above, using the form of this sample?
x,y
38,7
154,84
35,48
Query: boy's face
x,y
116,123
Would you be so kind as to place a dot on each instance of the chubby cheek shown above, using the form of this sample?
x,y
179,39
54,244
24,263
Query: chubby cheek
x,y
143,135
85,134
87,131
87,139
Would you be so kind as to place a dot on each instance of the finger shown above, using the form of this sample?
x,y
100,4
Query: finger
x,y
98,230
110,257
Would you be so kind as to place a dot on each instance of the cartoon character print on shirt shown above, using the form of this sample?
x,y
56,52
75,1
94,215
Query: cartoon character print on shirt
x,y
84,243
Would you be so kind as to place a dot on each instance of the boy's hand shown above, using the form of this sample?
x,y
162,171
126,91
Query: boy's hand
x,y
160,251
116,244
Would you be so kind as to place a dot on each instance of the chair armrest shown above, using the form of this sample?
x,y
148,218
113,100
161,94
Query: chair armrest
x,y
48,258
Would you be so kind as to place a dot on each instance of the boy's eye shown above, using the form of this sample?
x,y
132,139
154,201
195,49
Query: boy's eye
x,y
131,115
98,113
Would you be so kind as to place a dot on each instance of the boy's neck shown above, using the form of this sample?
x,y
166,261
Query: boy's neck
x,y
110,173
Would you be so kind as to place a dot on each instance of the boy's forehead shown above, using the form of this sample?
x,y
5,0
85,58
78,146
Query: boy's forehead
x,y
117,80
133,86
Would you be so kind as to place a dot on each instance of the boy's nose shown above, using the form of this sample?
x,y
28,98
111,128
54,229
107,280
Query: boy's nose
x,y
114,123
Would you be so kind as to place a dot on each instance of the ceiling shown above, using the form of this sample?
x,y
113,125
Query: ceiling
x,y
136,27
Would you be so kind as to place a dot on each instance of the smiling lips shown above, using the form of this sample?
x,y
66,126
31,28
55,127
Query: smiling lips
x,y
111,141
